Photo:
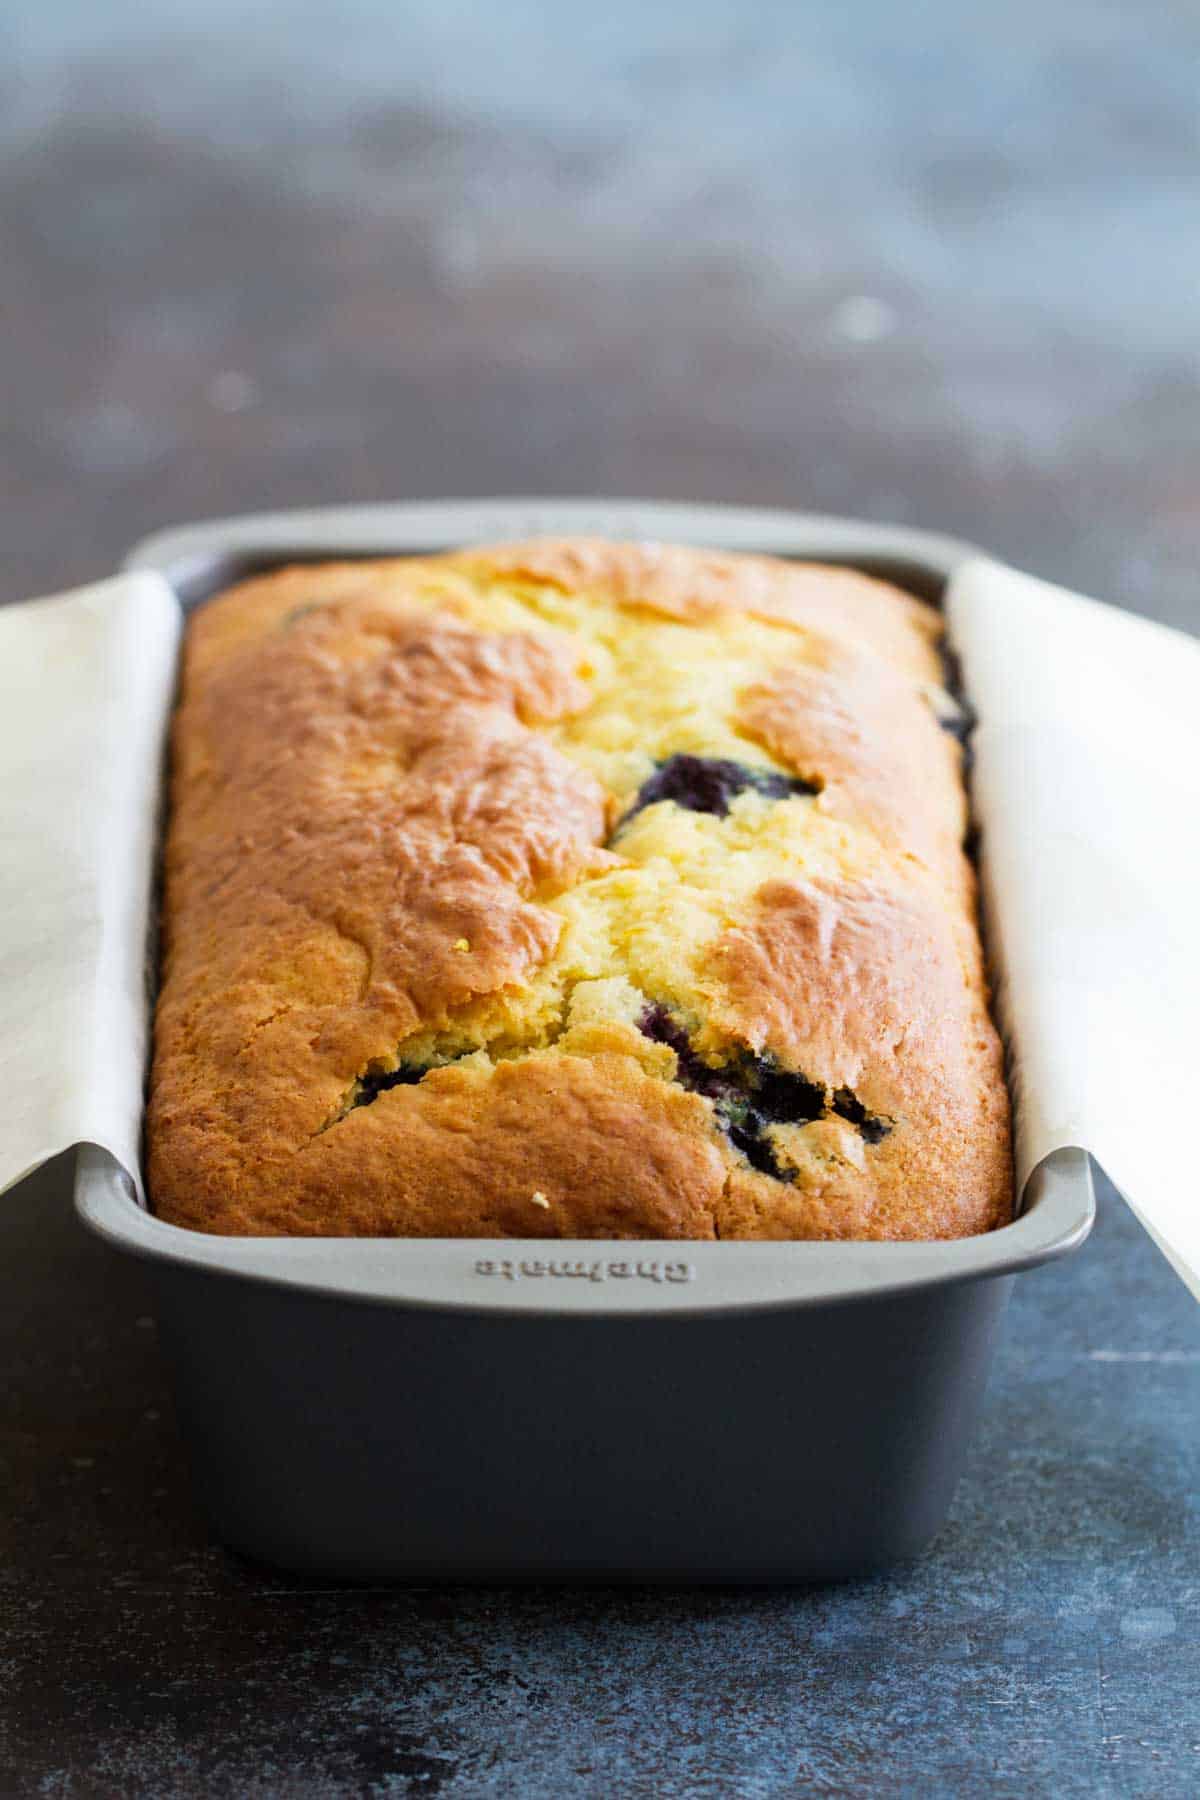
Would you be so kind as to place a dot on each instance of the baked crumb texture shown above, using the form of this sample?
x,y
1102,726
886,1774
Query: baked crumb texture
x,y
571,889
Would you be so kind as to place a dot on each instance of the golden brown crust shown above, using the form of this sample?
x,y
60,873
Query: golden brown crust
x,y
391,859
864,988
548,1146
694,585
879,754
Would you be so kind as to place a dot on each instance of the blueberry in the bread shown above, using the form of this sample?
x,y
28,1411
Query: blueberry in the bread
x,y
786,1098
960,725
695,1074
847,1105
369,1087
749,1094
958,717
707,784
748,1137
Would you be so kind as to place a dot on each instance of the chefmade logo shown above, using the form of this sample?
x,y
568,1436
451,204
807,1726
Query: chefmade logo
x,y
601,1269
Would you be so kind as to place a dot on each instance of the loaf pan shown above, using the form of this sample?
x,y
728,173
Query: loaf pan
x,y
437,1409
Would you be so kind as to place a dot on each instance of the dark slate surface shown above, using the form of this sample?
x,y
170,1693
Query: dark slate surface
x,y
942,272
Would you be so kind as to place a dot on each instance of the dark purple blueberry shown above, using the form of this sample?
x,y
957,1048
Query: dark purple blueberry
x,y
751,1139
960,726
786,1099
847,1105
663,1028
707,784
952,683
750,1094
965,720
371,1086
694,1073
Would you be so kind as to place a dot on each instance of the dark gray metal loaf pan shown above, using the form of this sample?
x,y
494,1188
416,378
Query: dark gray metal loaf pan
x,y
495,1410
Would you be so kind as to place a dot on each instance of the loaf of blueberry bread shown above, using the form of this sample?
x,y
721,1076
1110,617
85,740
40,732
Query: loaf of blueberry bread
x,y
571,889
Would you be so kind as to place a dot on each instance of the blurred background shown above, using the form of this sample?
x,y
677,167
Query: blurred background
x,y
937,265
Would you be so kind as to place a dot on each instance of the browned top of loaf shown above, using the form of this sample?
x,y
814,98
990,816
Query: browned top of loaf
x,y
405,840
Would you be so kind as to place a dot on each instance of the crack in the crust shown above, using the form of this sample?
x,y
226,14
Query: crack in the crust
x,y
302,612
261,1026
751,1094
366,1088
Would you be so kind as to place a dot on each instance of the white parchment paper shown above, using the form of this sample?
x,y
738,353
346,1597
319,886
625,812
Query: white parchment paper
x,y
1086,788
86,683
1087,791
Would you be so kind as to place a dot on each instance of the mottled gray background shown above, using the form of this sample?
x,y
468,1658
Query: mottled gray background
x,y
935,263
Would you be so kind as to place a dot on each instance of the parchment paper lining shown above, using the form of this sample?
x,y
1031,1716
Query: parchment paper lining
x,y
86,685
